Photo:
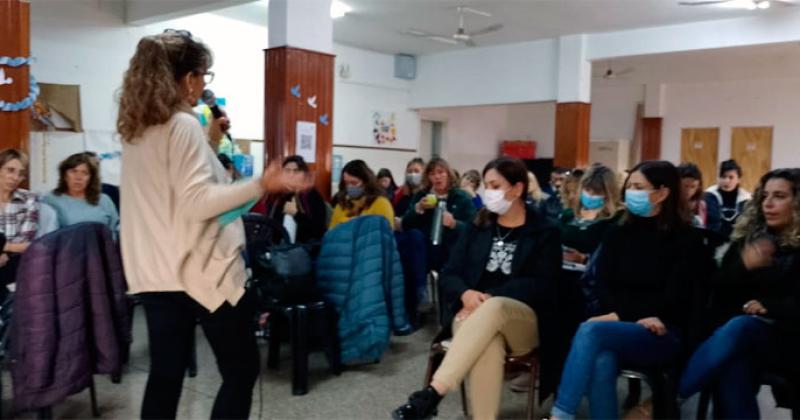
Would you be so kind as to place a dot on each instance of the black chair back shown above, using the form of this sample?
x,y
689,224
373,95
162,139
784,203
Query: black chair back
x,y
262,233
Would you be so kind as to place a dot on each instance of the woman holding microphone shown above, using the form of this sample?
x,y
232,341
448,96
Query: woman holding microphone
x,y
181,240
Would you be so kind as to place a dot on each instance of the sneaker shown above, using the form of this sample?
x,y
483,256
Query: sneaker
x,y
421,405
520,383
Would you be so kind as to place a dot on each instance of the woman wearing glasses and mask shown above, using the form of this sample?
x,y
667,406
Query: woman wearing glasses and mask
x,y
181,238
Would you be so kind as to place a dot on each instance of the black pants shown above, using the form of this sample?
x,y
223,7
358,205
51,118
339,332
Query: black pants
x,y
171,321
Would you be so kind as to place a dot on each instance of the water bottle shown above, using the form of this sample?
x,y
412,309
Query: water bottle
x,y
436,228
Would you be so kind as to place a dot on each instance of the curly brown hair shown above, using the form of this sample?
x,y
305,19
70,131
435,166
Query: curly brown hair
x,y
752,223
150,92
93,189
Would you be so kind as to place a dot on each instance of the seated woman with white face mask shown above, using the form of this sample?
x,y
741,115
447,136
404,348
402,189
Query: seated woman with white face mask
x,y
497,287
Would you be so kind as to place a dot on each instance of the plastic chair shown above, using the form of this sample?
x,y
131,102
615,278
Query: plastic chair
x,y
308,322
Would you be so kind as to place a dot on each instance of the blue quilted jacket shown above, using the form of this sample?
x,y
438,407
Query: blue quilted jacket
x,y
359,271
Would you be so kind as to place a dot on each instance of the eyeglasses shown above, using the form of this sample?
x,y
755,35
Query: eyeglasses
x,y
180,32
208,77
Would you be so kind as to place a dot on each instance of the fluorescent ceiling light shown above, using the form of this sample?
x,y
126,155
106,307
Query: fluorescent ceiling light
x,y
764,4
339,9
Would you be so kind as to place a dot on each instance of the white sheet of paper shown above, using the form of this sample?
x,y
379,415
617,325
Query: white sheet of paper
x,y
291,226
306,141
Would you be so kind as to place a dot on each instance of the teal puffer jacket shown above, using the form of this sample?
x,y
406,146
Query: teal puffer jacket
x,y
359,272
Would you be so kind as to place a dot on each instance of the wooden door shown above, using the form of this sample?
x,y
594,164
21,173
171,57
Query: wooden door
x,y
699,146
751,147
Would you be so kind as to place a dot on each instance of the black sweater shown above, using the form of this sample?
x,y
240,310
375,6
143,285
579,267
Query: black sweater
x,y
646,272
310,219
777,287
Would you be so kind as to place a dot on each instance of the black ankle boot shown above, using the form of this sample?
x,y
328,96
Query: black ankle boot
x,y
421,405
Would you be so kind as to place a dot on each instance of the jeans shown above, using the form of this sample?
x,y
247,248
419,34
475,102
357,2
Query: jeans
x,y
598,349
726,361
171,320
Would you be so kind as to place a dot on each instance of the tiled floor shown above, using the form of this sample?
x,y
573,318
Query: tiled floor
x,y
365,392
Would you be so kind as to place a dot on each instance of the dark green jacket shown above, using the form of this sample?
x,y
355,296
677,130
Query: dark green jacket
x,y
459,204
584,237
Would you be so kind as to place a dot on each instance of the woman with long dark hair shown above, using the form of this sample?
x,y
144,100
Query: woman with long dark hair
x,y
756,302
182,258
386,181
359,195
692,183
647,268
497,286
412,185
307,208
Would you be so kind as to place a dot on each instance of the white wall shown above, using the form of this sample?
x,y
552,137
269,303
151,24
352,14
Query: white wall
x,y
731,104
504,74
371,87
472,135
614,111
87,44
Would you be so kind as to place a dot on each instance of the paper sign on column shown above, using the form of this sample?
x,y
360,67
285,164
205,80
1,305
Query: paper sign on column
x,y
306,141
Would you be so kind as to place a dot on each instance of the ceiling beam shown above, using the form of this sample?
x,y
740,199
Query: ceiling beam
x,y
142,12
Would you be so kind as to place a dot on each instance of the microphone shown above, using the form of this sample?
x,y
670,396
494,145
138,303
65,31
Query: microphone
x,y
211,100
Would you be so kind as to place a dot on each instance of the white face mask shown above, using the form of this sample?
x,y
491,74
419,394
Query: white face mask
x,y
495,201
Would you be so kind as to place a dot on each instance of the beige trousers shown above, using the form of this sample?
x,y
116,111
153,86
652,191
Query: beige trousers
x,y
499,326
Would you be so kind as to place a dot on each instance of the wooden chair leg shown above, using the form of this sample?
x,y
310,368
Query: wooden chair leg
x,y
531,410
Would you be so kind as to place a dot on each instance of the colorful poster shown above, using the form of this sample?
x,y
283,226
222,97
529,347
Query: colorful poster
x,y
384,128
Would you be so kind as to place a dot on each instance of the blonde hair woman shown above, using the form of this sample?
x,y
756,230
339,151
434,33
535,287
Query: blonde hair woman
x,y
181,240
584,225
19,215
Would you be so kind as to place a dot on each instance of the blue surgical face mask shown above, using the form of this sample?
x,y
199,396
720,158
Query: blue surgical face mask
x,y
638,202
592,202
355,192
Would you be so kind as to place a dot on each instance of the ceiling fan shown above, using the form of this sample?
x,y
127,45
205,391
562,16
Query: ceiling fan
x,y
749,4
611,74
461,36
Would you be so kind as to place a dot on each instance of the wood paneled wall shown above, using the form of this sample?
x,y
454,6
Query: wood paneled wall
x,y
15,42
285,69
573,120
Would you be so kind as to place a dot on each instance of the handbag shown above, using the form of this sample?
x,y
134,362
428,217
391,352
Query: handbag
x,y
286,272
